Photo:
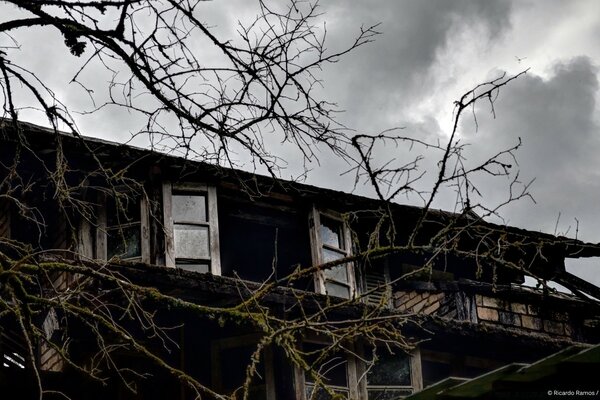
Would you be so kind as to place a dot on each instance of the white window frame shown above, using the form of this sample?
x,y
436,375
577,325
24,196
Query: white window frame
x,y
212,216
317,247
241,341
101,231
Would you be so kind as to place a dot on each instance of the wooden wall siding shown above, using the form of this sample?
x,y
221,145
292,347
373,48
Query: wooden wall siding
x,y
4,218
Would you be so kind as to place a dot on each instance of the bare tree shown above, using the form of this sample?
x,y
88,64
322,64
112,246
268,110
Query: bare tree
x,y
260,84
261,88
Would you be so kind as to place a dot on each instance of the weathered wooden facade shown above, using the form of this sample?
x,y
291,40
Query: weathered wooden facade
x,y
213,236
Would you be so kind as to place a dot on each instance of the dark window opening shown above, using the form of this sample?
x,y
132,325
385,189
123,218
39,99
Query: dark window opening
x,y
123,228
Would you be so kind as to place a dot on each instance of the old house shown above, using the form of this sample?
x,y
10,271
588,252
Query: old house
x,y
217,237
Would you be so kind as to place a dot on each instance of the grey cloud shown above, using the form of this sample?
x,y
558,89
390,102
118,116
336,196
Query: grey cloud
x,y
557,121
394,71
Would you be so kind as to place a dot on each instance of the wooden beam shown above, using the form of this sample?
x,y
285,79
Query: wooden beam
x,y
167,200
577,284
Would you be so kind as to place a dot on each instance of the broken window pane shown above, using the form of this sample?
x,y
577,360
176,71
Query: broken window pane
x,y
191,241
331,233
189,208
390,370
338,273
332,255
124,243
337,289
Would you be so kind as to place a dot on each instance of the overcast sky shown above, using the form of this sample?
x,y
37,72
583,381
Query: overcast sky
x,y
429,53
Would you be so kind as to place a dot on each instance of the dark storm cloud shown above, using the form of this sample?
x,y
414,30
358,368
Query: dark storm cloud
x,y
377,81
556,119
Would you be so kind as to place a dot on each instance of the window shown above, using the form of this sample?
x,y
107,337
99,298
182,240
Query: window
x,y
330,241
352,373
123,228
389,377
334,371
231,357
191,227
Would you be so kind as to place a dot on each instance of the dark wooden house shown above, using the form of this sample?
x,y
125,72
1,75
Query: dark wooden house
x,y
215,236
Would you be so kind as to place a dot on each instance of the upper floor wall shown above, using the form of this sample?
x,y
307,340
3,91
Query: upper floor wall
x,y
138,206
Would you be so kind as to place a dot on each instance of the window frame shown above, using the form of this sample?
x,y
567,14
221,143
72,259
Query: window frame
x,y
416,378
317,247
354,388
168,190
102,229
357,371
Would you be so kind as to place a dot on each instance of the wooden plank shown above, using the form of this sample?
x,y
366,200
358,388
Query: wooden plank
x,y
416,372
85,239
270,373
213,219
191,187
101,245
353,384
349,266
145,227
299,383
314,222
361,370
576,284
167,201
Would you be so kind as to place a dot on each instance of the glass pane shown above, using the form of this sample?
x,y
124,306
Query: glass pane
x,y
338,273
195,267
331,232
189,208
124,212
337,290
390,370
332,255
388,394
191,241
124,243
